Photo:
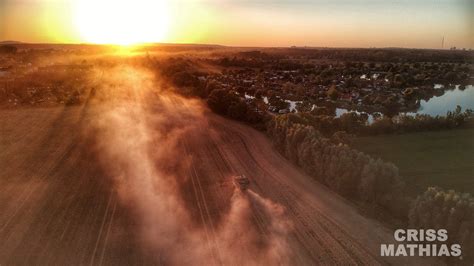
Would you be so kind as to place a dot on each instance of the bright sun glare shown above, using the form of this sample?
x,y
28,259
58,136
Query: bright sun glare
x,y
122,22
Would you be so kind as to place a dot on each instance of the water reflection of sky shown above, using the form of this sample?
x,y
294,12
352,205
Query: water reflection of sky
x,y
437,105
341,111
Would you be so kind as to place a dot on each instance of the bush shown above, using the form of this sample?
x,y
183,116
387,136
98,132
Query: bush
x,y
450,210
229,104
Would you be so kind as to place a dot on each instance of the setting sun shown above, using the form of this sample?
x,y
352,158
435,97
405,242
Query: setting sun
x,y
122,22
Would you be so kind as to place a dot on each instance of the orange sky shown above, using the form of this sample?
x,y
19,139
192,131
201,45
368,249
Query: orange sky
x,y
340,23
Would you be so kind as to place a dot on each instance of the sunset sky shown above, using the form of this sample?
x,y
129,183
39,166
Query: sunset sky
x,y
338,23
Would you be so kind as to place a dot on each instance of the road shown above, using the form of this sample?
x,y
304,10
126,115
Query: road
x,y
58,205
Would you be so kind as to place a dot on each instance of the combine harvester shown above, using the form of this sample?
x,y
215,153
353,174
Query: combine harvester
x,y
241,182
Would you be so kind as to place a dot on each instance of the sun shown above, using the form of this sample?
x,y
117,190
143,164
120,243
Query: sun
x,y
122,22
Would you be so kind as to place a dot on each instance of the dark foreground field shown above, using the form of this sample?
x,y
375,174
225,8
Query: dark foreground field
x,y
59,207
438,158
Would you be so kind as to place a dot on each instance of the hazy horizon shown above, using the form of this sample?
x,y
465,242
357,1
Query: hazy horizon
x,y
264,23
222,45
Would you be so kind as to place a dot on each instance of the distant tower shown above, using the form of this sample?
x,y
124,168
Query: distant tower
x,y
442,43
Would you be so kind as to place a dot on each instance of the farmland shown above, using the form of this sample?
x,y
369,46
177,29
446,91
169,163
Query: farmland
x,y
436,158
58,205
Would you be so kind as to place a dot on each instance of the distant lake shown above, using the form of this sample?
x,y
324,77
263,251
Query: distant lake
x,y
440,105
437,105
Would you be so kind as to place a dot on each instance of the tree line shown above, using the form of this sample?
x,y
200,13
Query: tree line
x,y
372,182
347,171
357,123
228,103
450,210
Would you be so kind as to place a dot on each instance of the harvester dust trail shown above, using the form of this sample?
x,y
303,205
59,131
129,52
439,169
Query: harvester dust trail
x,y
140,175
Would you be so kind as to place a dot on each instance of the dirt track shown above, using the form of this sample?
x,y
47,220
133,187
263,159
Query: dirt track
x,y
58,208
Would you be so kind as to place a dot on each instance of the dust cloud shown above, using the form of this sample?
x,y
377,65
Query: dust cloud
x,y
139,128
